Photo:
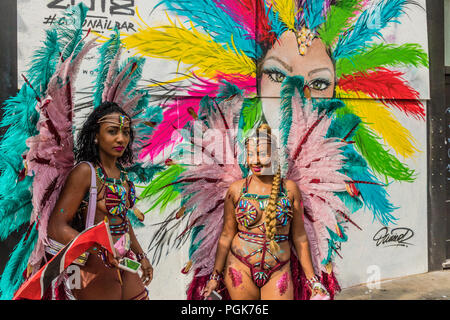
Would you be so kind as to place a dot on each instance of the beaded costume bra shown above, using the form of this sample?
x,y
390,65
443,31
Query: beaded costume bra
x,y
115,196
246,212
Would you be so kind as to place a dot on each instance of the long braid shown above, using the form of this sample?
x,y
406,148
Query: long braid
x,y
270,220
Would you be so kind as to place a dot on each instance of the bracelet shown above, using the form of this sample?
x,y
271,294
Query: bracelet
x,y
215,276
141,256
312,281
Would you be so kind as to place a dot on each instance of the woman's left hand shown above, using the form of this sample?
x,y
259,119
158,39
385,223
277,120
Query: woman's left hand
x,y
147,271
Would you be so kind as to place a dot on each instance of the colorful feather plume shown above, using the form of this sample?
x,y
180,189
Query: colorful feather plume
x,y
50,156
387,86
368,26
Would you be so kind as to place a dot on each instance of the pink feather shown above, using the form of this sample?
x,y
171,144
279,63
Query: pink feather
x,y
50,157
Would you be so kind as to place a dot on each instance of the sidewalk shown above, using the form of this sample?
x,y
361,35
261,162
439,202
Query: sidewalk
x,y
426,286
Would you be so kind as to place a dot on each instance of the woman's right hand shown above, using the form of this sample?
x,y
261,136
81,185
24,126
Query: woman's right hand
x,y
210,286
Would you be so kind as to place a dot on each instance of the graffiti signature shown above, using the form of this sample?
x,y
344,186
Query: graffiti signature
x,y
393,238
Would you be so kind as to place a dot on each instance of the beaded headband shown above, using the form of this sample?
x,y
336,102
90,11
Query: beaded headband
x,y
121,120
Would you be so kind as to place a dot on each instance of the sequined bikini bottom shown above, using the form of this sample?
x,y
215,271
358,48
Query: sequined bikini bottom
x,y
260,275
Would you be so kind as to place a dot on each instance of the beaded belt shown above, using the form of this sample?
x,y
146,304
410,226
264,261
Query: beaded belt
x,y
259,238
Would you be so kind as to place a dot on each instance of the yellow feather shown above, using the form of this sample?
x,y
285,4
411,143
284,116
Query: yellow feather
x,y
286,10
204,56
380,119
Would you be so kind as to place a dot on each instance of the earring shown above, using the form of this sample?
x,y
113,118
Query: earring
x,y
95,141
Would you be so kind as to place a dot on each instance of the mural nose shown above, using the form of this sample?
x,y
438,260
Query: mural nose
x,y
307,92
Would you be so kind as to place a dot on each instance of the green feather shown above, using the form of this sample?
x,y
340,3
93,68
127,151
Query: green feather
x,y
338,20
251,114
158,186
383,55
379,159
383,163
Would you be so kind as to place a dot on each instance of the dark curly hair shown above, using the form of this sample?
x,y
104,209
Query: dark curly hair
x,y
86,149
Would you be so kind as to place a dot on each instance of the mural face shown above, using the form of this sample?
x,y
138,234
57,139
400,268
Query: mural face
x,y
284,59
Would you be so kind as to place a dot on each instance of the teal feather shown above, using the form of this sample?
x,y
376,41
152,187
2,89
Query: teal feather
x,y
216,22
329,106
135,222
71,32
194,246
343,126
289,88
152,114
44,62
143,174
107,53
374,196
332,243
15,197
352,203
278,27
313,13
12,276
227,90
135,77
368,26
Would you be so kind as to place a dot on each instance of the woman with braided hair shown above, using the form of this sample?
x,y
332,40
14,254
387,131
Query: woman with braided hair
x,y
262,213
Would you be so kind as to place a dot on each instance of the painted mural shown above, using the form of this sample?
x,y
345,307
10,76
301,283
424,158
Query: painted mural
x,y
337,48
361,68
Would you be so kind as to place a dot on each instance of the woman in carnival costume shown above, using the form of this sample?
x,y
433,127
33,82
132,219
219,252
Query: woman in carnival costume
x,y
253,47
56,181
261,214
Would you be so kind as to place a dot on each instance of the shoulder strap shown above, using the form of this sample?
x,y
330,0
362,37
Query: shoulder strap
x,y
90,215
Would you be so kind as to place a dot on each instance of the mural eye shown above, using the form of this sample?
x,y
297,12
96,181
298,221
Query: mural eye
x,y
275,75
319,84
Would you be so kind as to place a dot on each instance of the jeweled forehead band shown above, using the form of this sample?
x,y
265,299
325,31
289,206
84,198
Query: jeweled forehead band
x,y
121,120
305,37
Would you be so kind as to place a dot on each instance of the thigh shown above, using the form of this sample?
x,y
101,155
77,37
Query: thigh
x,y
98,282
238,281
133,287
279,286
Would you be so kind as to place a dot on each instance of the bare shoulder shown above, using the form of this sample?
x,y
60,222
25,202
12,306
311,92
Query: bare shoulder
x,y
80,175
292,187
235,188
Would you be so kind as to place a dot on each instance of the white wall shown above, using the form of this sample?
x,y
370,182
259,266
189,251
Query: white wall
x,y
360,251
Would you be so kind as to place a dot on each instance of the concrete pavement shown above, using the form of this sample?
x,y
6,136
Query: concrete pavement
x,y
426,286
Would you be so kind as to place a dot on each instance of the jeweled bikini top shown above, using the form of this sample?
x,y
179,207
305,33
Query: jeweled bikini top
x,y
116,194
246,213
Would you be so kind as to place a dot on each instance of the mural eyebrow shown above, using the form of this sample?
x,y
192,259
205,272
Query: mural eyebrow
x,y
284,64
319,70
